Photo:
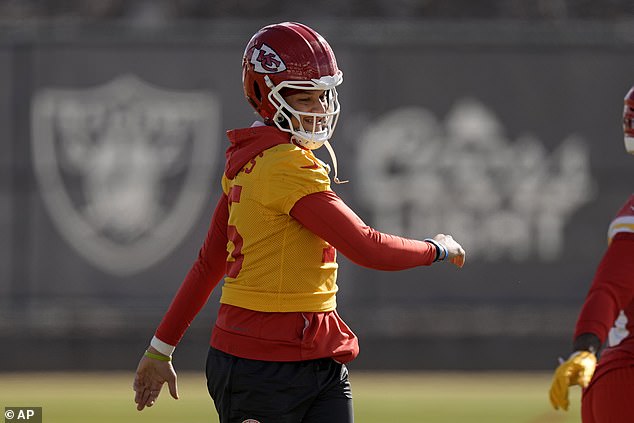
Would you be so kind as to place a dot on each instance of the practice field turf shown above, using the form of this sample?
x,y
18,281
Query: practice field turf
x,y
378,397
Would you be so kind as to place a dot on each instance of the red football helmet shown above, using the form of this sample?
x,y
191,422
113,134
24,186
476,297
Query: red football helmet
x,y
628,121
288,57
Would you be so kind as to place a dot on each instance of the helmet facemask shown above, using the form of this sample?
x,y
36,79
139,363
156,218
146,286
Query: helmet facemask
x,y
313,135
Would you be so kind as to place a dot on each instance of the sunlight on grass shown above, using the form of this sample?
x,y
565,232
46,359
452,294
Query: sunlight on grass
x,y
425,397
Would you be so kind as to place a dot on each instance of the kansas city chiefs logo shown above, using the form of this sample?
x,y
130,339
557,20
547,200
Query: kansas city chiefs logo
x,y
266,60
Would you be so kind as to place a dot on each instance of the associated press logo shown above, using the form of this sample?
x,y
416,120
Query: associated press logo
x,y
19,414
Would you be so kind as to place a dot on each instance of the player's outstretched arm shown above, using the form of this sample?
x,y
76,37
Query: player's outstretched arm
x,y
455,252
153,371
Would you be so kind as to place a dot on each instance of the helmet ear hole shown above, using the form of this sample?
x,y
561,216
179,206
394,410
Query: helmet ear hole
x,y
256,91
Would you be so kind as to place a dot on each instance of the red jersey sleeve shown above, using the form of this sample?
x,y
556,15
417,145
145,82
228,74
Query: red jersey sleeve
x,y
200,281
612,288
327,216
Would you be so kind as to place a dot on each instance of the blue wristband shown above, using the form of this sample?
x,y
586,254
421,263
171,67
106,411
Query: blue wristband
x,y
441,250
445,252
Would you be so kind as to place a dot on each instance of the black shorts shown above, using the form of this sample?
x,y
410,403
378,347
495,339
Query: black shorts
x,y
243,390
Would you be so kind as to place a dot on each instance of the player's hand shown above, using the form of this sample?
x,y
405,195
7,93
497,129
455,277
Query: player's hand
x,y
577,370
150,376
455,252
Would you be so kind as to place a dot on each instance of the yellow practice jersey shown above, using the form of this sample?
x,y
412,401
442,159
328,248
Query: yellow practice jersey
x,y
274,263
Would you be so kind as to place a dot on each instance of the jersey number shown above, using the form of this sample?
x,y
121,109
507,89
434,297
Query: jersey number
x,y
235,259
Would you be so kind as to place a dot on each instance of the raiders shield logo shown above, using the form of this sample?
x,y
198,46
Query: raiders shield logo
x,y
124,168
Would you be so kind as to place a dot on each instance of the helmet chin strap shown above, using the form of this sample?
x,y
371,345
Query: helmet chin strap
x,y
303,144
333,157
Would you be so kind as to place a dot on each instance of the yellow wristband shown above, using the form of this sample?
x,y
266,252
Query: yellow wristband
x,y
157,356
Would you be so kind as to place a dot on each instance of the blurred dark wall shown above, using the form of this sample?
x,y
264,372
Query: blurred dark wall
x,y
507,136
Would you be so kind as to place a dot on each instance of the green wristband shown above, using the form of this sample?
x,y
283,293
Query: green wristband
x,y
157,356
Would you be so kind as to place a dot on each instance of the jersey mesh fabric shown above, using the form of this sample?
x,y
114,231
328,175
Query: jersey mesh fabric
x,y
275,264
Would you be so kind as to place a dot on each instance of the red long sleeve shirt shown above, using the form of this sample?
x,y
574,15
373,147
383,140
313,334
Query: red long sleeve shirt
x,y
288,336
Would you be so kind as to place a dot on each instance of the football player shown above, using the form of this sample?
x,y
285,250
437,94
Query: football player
x,y
607,315
278,347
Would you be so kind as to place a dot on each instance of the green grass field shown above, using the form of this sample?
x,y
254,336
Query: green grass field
x,y
378,397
